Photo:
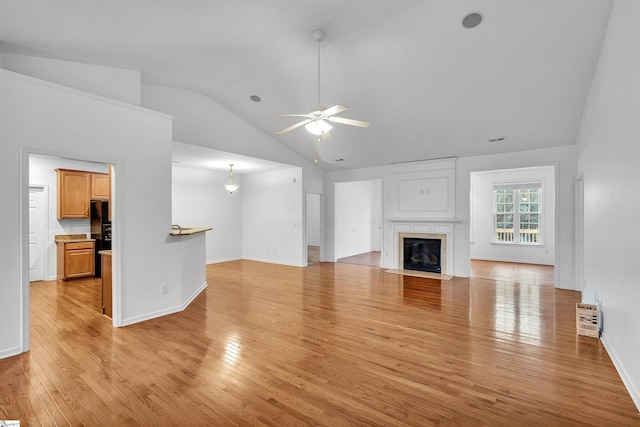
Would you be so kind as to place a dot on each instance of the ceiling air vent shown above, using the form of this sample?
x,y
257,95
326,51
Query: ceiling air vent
x,y
497,139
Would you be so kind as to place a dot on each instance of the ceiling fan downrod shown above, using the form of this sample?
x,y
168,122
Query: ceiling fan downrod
x,y
318,36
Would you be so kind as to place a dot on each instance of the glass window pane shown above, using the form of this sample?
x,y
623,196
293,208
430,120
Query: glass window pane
x,y
508,218
525,218
535,195
500,218
499,196
524,207
535,218
508,196
508,207
508,225
500,207
533,207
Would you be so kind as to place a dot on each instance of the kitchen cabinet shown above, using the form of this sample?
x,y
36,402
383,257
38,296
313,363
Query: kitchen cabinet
x,y
74,193
100,186
77,188
75,259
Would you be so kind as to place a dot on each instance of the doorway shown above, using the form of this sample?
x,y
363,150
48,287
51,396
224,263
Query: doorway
x,y
358,222
41,227
313,228
512,224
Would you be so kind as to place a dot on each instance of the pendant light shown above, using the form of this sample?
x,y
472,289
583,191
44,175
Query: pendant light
x,y
230,186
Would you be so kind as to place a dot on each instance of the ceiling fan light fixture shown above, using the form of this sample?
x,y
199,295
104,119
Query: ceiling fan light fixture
x,y
318,127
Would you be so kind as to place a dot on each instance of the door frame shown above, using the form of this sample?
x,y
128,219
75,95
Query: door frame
x,y
321,223
579,235
379,202
45,229
23,185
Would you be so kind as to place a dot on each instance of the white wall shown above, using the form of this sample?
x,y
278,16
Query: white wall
x,y
199,199
43,118
355,215
313,220
272,217
42,172
482,218
564,160
114,83
608,153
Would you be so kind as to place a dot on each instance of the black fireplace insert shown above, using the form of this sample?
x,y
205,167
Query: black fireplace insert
x,y
422,254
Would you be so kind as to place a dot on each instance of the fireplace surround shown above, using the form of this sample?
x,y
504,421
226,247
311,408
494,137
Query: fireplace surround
x,y
422,252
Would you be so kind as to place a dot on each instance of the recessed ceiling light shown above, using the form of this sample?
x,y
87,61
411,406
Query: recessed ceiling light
x,y
472,20
255,98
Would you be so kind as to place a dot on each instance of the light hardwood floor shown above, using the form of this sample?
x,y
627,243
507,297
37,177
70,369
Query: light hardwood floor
x,y
331,344
513,272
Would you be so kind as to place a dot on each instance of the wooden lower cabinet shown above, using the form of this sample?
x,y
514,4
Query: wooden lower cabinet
x,y
75,259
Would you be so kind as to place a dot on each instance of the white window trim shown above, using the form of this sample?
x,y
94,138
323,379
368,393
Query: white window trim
x,y
516,213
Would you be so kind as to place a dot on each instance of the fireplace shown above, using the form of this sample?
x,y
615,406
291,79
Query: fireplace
x,y
422,252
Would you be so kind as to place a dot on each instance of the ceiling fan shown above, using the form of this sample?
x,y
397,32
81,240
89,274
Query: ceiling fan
x,y
317,121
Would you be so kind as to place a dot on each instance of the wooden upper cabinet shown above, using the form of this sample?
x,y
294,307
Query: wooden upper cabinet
x,y
74,193
100,184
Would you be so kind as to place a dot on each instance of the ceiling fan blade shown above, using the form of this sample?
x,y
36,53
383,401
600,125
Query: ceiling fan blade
x,y
351,122
294,115
334,110
326,136
296,126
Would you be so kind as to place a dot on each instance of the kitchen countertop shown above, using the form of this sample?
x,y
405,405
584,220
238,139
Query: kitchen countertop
x,y
187,231
106,252
72,238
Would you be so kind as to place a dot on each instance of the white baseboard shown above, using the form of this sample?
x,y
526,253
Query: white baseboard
x,y
635,396
218,261
516,260
272,261
9,352
193,296
166,311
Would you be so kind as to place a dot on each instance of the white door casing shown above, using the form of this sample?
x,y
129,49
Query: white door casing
x,y
37,233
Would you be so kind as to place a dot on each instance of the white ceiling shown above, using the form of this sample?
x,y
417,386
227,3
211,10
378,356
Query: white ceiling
x,y
194,156
430,87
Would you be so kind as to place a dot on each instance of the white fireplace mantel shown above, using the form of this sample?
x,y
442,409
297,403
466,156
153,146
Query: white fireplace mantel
x,y
421,220
445,226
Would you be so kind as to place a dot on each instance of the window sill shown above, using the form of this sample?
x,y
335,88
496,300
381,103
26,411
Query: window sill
x,y
528,245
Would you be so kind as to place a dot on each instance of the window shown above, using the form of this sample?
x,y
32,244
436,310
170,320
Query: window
x,y
517,216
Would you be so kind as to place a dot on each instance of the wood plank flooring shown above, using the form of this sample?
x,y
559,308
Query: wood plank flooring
x,y
513,272
331,344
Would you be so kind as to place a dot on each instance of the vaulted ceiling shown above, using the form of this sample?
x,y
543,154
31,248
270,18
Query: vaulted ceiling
x,y
430,87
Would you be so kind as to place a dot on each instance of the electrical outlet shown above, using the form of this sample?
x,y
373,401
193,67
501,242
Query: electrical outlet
x,y
164,289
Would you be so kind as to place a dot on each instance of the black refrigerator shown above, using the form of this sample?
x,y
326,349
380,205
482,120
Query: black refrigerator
x,y
100,230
